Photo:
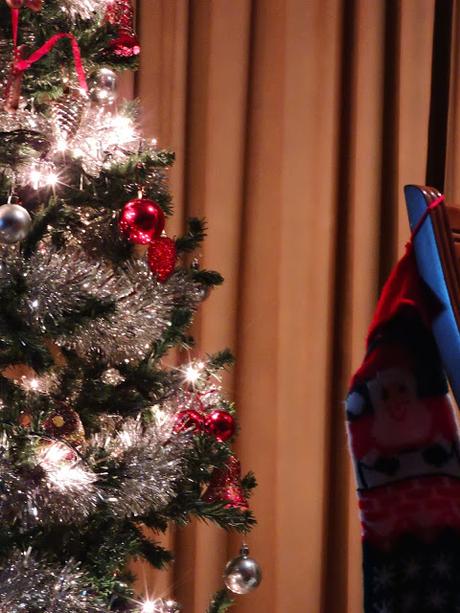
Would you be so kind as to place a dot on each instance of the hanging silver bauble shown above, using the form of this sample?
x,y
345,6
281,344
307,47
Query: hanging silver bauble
x,y
103,87
242,574
15,223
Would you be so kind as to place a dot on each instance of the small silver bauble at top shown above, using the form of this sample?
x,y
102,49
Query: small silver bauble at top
x,y
103,86
15,223
243,574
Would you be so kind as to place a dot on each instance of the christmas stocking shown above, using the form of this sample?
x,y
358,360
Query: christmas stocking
x,y
405,449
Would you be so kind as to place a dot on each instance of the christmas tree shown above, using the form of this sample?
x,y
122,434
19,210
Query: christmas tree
x,y
101,432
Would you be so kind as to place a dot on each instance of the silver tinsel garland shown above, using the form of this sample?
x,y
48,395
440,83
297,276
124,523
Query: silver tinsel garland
x,y
58,485
86,9
149,465
29,584
100,138
104,138
143,312
58,283
55,487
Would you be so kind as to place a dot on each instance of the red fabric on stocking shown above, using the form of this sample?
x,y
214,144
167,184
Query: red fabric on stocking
x,y
405,448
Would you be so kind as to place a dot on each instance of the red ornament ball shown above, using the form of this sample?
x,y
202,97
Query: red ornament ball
x,y
220,424
162,256
141,220
188,420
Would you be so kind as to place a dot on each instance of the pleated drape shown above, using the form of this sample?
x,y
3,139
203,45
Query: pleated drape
x,y
296,124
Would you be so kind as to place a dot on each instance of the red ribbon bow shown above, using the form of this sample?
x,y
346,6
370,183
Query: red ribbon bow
x,y
22,64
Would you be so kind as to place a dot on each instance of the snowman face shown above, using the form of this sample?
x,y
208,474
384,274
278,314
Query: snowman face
x,y
393,391
400,420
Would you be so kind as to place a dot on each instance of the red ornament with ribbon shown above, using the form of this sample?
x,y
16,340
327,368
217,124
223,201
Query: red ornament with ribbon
x,y
21,64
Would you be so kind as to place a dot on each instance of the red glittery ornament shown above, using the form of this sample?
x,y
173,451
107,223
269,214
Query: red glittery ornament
x,y
188,420
162,256
225,486
141,221
120,13
125,45
220,424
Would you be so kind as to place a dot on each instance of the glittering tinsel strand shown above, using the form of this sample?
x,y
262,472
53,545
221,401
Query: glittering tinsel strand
x,y
31,584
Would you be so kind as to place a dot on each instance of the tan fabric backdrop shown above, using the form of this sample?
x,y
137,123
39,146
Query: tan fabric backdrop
x,y
296,123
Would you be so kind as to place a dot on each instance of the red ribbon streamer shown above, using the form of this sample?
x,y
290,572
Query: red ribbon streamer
x,y
21,65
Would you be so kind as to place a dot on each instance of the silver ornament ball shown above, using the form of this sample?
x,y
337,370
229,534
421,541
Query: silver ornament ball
x,y
103,87
15,223
242,574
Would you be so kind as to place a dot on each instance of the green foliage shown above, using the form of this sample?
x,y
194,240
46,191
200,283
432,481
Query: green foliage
x,y
195,235
221,359
221,602
207,277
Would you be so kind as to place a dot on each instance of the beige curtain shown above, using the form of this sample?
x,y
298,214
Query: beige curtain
x,y
296,124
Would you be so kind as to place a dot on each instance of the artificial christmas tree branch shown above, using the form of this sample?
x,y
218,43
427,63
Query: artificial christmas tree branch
x,y
98,437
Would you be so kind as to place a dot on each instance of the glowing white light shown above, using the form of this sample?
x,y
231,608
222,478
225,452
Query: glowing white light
x,y
67,476
52,179
61,145
34,384
35,178
148,606
123,130
53,455
34,304
63,469
193,372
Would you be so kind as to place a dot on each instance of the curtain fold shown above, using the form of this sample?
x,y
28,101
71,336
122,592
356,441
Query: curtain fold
x,y
296,124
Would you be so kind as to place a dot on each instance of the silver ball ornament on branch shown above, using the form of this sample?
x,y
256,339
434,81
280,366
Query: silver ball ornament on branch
x,y
15,223
103,87
242,574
